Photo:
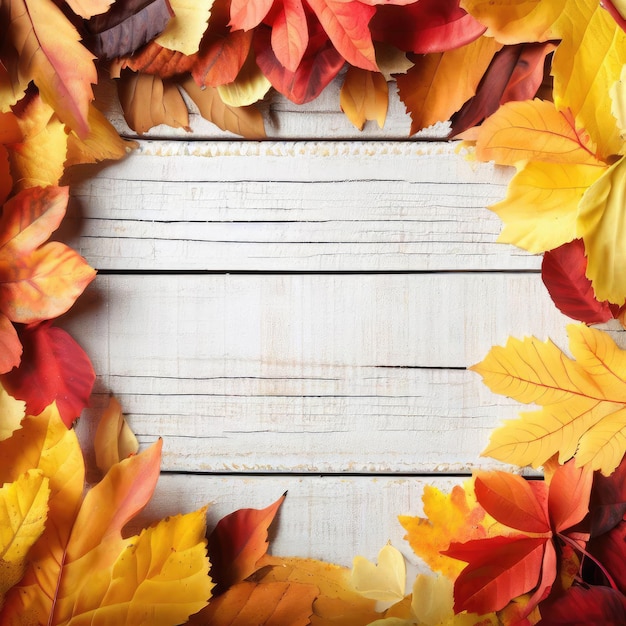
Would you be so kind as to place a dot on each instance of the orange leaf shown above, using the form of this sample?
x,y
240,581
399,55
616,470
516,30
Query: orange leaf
x,y
346,24
261,604
50,54
6,180
364,96
238,541
155,59
10,345
246,14
148,101
290,35
114,440
245,121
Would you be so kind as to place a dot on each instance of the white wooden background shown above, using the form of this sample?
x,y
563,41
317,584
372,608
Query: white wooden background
x,y
298,314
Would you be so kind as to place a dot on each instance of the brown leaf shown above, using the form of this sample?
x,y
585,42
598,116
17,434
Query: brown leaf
x,y
244,121
148,101
127,27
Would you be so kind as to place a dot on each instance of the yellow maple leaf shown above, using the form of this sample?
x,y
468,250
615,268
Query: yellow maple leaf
x,y
582,399
364,96
23,512
455,516
384,581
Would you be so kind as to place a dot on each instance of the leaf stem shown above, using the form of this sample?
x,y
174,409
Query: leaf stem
x,y
614,13
576,546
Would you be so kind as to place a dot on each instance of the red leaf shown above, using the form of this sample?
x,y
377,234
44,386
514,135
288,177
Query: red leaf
x,y
238,541
607,505
610,550
509,499
563,273
127,26
516,73
320,64
580,607
246,14
499,569
425,26
290,35
568,499
53,368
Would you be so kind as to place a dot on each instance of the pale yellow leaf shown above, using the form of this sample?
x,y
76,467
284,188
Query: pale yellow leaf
x,y
582,400
392,621
618,104
384,581
539,211
185,30
391,60
601,224
250,86
23,511
89,8
532,130
114,440
12,412
364,96
433,599
12,87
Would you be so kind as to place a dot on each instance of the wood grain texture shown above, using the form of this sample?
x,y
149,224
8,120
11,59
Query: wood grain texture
x,y
310,373
320,119
308,206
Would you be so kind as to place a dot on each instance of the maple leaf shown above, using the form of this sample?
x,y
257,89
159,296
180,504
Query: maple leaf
x,y
563,273
114,440
62,73
425,88
448,517
384,581
364,96
37,282
147,101
237,542
503,567
54,368
81,567
582,400
426,26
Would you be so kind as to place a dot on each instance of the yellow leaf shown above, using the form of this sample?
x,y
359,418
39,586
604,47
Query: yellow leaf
x,y
601,224
532,130
39,159
12,88
539,211
586,64
455,516
440,83
517,21
11,413
185,30
50,54
384,581
160,578
23,511
249,86
337,603
618,106
102,143
433,599
244,121
114,440
364,96
582,400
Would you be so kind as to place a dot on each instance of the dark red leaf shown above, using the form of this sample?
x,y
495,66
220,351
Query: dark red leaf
x,y
610,550
236,544
516,73
53,368
127,26
319,65
563,273
581,607
607,505
425,26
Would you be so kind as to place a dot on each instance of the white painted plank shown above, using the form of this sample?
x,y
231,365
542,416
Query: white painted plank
x,y
317,206
321,118
327,518
321,373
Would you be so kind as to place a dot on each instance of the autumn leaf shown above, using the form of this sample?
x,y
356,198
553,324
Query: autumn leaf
x,y
426,90
89,8
249,86
290,35
185,30
155,59
384,581
448,517
23,512
244,121
364,96
594,605
11,413
114,440
54,368
607,504
63,73
563,273
147,101
582,399
238,541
